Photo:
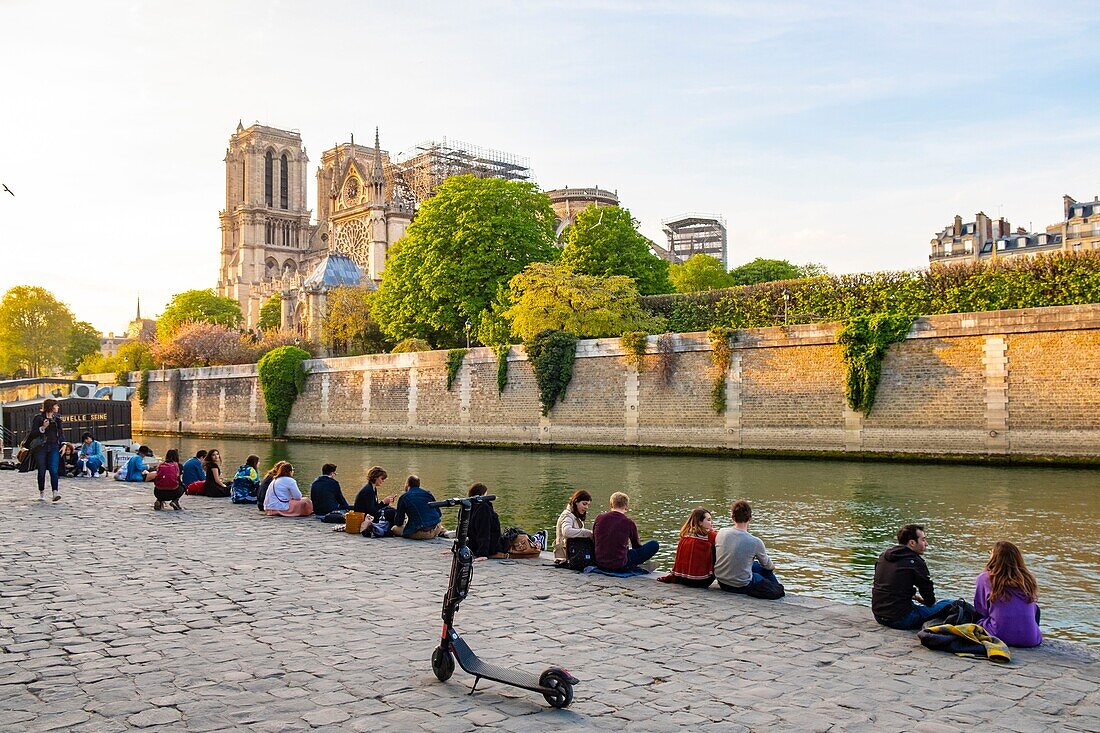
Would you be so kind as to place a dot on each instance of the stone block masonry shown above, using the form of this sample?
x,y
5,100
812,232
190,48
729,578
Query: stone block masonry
x,y
1005,385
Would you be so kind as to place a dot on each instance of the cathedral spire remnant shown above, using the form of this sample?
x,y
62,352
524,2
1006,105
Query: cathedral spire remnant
x,y
378,179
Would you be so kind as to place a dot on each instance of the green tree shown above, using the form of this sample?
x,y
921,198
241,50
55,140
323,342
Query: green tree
x,y
473,235
699,272
198,306
546,296
812,269
763,270
97,363
271,314
83,342
349,326
34,331
606,241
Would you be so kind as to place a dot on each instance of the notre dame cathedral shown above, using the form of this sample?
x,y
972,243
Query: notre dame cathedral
x,y
271,245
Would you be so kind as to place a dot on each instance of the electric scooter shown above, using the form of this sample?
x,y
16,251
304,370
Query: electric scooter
x,y
555,683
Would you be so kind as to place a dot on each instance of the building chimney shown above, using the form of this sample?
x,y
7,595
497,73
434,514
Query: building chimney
x,y
1067,202
958,225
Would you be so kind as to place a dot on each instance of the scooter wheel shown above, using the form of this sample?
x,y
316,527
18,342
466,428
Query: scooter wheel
x,y
443,664
562,695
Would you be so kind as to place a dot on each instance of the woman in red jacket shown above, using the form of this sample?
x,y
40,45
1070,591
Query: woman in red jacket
x,y
694,564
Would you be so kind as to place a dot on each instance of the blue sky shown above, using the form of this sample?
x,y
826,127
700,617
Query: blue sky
x,y
840,133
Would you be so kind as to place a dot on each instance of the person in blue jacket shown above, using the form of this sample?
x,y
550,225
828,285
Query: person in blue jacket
x,y
413,518
192,469
91,455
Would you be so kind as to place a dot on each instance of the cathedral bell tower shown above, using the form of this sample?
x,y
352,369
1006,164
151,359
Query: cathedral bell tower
x,y
265,224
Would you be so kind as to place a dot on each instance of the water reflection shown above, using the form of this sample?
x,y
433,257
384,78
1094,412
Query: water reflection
x,y
824,521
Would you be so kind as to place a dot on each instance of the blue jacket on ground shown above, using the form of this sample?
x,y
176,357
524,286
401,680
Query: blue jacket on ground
x,y
192,471
326,496
413,511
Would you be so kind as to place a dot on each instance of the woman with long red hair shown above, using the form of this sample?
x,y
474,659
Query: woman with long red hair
x,y
694,564
1006,596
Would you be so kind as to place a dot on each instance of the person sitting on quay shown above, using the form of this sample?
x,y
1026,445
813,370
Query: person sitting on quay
x,y
329,504
741,563
68,461
213,485
265,484
570,524
166,484
694,565
483,537
901,576
135,468
367,501
413,518
246,481
92,457
618,547
284,498
192,469
1005,598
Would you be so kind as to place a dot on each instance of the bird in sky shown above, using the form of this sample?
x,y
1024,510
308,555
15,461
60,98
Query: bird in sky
x,y
6,188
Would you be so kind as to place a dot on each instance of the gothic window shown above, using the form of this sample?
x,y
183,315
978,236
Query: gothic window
x,y
269,232
353,240
271,268
289,268
269,164
283,183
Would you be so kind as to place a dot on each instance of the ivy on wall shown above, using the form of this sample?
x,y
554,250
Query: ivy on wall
x,y
455,357
551,353
282,376
666,358
143,389
863,341
721,353
634,344
502,366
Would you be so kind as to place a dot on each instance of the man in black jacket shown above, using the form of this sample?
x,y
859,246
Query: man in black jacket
x,y
901,576
329,504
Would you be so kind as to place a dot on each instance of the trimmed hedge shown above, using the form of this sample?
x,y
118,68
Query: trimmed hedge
x,y
282,375
1022,282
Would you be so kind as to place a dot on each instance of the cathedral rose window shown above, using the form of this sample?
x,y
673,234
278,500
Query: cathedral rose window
x,y
353,240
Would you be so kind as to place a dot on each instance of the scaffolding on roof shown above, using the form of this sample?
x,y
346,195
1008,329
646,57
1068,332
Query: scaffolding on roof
x,y
425,166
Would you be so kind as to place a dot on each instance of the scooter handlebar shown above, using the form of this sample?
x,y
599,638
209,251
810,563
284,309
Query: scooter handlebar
x,y
467,500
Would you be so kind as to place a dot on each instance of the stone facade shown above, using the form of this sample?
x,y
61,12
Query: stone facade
x,y
1005,385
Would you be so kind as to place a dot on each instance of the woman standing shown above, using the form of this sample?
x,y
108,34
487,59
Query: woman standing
x,y
694,563
166,485
44,442
1005,598
284,498
570,523
214,486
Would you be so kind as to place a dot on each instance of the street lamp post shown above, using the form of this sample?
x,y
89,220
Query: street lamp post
x,y
467,333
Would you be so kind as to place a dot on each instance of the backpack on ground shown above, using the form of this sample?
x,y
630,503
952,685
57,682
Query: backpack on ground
x,y
243,488
580,552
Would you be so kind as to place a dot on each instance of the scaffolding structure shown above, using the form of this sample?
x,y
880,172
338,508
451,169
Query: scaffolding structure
x,y
693,234
425,166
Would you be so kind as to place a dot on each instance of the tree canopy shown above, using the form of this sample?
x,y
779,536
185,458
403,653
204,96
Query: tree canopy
x,y
271,314
35,330
699,272
471,236
606,241
349,326
83,342
546,296
198,306
763,270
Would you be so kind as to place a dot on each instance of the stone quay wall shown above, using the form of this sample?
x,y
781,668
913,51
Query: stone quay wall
x,y
1019,385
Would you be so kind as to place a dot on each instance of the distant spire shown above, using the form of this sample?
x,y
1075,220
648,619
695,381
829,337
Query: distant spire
x,y
378,180
139,307
240,126
353,139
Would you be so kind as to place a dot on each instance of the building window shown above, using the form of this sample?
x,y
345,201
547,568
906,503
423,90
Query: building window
x,y
947,249
269,163
1001,244
283,183
968,244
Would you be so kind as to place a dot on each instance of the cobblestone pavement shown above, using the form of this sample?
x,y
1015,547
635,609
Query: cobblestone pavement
x,y
114,617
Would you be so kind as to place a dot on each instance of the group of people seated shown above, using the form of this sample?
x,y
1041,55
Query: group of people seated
x,y
902,594
84,460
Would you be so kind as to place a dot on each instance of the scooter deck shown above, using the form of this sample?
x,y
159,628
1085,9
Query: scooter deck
x,y
473,664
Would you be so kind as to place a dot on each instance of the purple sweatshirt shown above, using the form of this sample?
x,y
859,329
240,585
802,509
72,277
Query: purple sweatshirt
x,y
1012,619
